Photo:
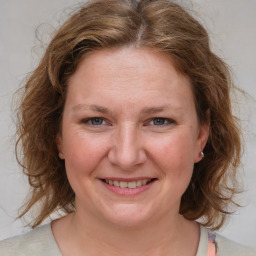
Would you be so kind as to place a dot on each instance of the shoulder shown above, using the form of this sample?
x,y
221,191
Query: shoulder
x,y
37,242
228,247
225,246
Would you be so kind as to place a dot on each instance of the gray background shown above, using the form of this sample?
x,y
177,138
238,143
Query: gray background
x,y
232,27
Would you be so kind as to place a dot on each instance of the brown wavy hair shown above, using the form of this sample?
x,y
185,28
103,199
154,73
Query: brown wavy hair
x,y
166,27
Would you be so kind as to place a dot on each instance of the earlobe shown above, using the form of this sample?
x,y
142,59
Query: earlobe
x,y
204,134
201,141
205,129
59,146
61,156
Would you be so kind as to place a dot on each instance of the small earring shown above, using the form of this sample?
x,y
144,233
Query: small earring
x,y
202,154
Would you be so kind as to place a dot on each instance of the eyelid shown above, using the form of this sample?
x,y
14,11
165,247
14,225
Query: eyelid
x,y
169,120
87,121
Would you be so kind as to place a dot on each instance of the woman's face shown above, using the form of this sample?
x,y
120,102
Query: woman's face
x,y
129,118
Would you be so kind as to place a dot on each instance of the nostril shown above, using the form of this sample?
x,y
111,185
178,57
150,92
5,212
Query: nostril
x,y
127,160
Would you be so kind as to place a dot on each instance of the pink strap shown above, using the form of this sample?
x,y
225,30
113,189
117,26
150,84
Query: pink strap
x,y
212,245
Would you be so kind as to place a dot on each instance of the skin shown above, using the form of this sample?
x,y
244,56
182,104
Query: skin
x,y
131,88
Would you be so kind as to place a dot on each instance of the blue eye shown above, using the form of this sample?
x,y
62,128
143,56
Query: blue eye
x,y
95,121
160,121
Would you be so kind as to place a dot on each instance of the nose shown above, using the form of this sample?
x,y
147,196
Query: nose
x,y
127,148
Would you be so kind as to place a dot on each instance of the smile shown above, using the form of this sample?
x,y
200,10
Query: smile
x,y
128,187
131,184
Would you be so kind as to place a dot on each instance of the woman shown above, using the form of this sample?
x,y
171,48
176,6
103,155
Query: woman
x,y
126,127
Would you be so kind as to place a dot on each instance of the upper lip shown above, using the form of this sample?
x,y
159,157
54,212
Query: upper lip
x,y
127,179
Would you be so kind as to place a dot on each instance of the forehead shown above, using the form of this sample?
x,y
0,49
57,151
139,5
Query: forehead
x,y
133,63
129,75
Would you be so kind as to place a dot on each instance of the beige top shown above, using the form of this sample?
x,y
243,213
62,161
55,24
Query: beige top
x,y
41,242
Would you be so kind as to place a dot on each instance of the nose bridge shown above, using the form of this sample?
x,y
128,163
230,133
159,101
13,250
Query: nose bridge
x,y
127,149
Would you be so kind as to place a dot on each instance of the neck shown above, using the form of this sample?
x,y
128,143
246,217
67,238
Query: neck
x,y
170,236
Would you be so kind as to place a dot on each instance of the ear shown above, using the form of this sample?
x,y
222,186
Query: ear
x,y
58,141
202,138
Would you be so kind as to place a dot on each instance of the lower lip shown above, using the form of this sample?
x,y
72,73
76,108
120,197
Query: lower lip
x,y
128,191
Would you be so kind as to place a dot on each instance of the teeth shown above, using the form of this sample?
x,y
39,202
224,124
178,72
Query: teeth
x,y
139,183
144,182
116,183
124,184
131,184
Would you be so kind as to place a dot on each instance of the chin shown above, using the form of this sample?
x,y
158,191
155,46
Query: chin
x,y
128,215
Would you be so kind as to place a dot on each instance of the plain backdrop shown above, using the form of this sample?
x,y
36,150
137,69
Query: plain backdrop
x,y
232,28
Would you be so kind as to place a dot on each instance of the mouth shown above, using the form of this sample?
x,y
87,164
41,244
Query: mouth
x,y
129,184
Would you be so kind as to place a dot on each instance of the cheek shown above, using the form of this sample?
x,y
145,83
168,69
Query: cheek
x,y
174,154
83,153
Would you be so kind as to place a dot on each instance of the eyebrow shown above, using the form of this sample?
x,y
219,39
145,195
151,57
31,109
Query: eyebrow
x,y
154,110
104,110
95,108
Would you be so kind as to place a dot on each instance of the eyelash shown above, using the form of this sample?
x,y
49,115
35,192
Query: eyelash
x,y
88,120
168,120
